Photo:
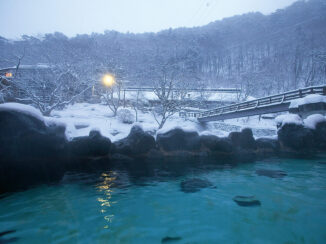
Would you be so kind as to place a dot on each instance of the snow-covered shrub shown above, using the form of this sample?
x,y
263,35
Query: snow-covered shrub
x,y
125,116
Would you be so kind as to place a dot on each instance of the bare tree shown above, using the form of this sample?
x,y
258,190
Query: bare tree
x,y
171,98
138,103
113,97
49,89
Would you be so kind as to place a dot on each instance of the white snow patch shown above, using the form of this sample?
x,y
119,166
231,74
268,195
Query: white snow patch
x,y
22,108
50,121
252,122
101,117
313,98
312,120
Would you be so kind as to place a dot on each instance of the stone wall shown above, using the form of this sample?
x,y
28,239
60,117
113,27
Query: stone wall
x,y
32,152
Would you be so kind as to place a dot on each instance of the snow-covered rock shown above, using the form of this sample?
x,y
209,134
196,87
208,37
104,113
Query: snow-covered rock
x,y
243,139
178,140
313,98
312,120
284,119
31,151
137,143
22,108
94,145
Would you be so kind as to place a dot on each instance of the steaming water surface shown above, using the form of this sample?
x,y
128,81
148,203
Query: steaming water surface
x,y
114,207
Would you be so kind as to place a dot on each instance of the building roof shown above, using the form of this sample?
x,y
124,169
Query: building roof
x,y
26,67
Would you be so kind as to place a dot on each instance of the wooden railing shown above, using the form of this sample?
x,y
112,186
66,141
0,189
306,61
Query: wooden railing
x,y
265,101
222,90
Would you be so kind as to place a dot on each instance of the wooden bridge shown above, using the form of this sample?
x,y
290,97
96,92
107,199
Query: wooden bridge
x,y
270,104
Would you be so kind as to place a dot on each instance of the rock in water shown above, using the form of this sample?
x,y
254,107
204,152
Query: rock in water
x,y
8,240
247,201
271,173
194,185
169,239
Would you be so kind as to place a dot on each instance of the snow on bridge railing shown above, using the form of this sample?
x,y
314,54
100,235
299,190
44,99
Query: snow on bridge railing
x,y
265,101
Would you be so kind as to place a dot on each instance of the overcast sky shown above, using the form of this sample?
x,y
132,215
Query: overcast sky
x,y
71,17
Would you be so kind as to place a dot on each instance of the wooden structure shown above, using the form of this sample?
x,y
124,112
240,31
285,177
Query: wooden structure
x,y
265,105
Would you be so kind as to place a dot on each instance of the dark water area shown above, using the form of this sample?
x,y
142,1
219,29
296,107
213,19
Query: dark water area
x,y
268,201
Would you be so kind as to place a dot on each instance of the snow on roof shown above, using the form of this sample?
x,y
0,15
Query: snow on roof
x,y
28,66
208,96
313,98
37,66
312,120
22,108
288,119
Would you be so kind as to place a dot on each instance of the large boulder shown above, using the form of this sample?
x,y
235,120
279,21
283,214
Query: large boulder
x,y
178,140
137,143
320,136
296,138
243,139
267,146
216,144
30,150
94,145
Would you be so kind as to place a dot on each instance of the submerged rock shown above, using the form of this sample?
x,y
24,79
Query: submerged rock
x,y
169,239
271,173
178,140
194,185
247,201
7,240
137,143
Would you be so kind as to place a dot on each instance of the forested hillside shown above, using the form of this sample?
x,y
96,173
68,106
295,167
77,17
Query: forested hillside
x,y
262,54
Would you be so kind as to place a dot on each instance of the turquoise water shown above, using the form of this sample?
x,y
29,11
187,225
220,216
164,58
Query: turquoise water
x,y
116,208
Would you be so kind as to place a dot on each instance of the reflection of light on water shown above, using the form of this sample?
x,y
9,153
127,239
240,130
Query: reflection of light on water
x,y
106,202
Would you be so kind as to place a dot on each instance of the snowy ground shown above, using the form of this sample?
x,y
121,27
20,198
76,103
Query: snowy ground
x,y
80,118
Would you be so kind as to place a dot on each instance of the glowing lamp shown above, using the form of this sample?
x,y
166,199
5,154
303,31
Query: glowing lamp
x,y
108,80
8,74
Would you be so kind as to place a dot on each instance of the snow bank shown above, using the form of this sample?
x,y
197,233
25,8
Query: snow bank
x,y
22,108
313,98
49,121
288,119
312,120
